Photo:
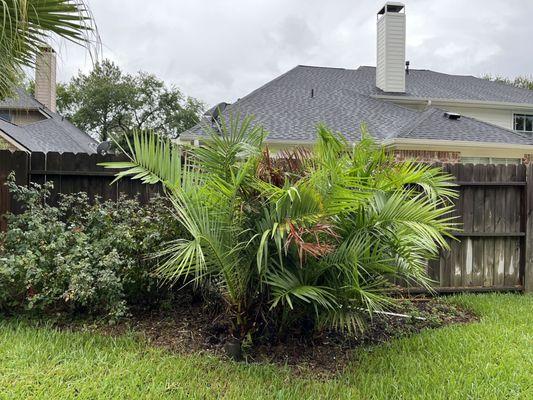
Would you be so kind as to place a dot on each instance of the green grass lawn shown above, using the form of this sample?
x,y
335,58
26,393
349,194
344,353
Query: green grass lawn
x,y
492,359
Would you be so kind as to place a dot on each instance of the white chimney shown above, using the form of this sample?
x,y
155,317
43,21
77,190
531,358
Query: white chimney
x,y
45,78
390,65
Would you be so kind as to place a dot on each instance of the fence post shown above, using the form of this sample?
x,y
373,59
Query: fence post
x,y
528,265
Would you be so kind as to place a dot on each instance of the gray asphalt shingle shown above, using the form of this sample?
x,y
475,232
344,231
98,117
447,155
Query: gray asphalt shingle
x,y
21,101
53,134
290,106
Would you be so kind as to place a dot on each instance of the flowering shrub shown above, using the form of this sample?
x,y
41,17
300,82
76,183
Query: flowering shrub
x,y
81,258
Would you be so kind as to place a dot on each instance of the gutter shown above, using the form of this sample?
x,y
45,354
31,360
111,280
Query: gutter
x,y
456,143
455,102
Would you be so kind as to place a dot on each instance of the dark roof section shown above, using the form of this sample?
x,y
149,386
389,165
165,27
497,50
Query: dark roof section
x,y
50,135
21,101
433,125
290,106
53,134
426,84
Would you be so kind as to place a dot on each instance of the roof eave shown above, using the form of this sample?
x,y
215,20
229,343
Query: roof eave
x,y
455,102
457,143
13,142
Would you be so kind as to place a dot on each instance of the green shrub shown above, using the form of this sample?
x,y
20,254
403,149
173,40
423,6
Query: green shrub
x,y
81,258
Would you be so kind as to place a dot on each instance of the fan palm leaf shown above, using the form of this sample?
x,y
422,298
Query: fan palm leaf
x,y
26,26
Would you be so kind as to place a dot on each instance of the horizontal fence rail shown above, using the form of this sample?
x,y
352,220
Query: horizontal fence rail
x,y
70,173
492,249
492,252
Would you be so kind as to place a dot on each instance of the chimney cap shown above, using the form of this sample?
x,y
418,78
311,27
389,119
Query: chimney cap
x,y
391,6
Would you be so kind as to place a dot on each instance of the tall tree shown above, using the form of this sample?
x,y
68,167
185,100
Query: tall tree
x,y
28,25
108,102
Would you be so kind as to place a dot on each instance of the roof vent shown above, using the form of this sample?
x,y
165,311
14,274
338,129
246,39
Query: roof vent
x,y
452,115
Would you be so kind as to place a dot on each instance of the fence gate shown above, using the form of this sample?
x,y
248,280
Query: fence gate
x,y
490,253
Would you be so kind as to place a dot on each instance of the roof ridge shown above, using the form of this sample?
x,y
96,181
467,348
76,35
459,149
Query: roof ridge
x,y
325,67
409,128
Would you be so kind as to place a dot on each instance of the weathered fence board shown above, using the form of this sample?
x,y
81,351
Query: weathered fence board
x,y
491,250
70,173
494,250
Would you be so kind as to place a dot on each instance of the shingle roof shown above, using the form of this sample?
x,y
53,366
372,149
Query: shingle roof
x,y
21,101
290,106
52,134
423,83
433,125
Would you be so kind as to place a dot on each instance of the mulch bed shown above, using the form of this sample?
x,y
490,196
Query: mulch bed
x,y
193,329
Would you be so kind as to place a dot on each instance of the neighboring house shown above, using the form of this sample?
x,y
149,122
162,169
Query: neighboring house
x,y
32,124
419,113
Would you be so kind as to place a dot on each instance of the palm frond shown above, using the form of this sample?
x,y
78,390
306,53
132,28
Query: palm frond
x,y
287,288
26,26
153,159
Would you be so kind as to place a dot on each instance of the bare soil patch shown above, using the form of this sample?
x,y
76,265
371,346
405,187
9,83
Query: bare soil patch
x,y
194,328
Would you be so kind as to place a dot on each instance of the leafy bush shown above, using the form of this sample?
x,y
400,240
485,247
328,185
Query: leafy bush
x,y
81,258
311,239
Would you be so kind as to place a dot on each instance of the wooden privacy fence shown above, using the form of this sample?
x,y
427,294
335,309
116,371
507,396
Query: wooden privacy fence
x,y
495,205
495,246
71,173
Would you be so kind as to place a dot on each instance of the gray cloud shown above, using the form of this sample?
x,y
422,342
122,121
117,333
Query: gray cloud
x,y
221,50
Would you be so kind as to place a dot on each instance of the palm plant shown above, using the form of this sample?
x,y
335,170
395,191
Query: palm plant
x,y
317,238
28,25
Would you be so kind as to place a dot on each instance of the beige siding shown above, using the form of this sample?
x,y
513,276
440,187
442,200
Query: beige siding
x,y
22,118
5,145
503,118
496,116
390,65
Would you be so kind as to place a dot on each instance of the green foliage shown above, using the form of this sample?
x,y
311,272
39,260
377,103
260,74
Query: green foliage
x,y
522,82
108,102
320,241
78,257
28,25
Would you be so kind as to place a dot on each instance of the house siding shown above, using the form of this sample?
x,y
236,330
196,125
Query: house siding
x,y
22,118
5,145
502,118
495,116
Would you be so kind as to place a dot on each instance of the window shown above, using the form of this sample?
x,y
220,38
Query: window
x,y
490,160
523,122
5,115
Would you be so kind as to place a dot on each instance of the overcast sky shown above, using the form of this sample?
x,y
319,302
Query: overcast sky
x,y
220,50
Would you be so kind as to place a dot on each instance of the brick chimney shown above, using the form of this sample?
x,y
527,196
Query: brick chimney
x,y
390,65
45,78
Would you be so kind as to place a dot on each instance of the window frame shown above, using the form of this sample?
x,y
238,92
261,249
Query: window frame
x,y
7,113
524,123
